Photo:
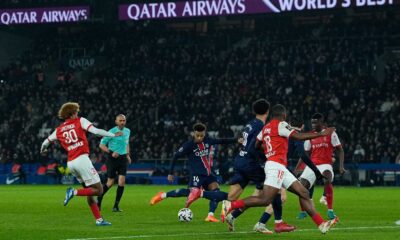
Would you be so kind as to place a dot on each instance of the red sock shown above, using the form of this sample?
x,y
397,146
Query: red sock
x,y
237,204
84,192
329,195
317,219
95,210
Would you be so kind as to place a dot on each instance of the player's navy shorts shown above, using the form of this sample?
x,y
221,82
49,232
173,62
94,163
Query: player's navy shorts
x,y
116,166
246,172
202,181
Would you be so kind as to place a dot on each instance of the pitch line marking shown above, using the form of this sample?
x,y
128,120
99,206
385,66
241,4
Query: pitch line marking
x,y
224,233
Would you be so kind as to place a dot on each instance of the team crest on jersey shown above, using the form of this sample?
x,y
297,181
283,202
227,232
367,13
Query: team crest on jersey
x,y
180,149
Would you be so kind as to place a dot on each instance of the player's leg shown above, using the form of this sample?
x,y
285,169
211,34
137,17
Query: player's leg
x,y
307,179
235,190
274,174
213,187
120,192
181,192
122,169
277,205
96,211
106,187
239,181
209,183
82,168
111,175
328,187
297,188
261,224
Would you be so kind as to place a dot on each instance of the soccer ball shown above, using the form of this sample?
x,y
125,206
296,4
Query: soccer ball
x,y
185,215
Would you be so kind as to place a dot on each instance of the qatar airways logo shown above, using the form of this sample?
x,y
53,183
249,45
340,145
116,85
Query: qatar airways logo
x,y
278,6
204,8
202,153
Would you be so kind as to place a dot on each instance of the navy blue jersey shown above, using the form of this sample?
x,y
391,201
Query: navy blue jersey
x,y
198,155
248,150
296,148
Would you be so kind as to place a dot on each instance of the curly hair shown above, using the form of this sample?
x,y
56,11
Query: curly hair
x,y
68,109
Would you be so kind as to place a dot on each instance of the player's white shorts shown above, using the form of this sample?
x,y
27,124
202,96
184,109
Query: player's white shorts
x,y
82,168
309,175
277,175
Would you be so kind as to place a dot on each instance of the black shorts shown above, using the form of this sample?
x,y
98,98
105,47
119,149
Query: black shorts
x,y
244,173
116,166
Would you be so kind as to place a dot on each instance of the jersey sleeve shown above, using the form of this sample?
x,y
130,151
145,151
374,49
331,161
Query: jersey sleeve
x,y
285,130
182,151
307,145
53,136
86,124
105,140
335,140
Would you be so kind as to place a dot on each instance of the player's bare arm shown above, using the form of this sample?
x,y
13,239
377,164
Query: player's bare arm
x,y
306,136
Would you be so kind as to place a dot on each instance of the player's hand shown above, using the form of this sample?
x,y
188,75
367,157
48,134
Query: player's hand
x,y
170,178
119,134
240,140
129,159
115,155
328,131
43,152
342,170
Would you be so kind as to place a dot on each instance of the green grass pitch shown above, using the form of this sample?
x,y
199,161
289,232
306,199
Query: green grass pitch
x,y
36,212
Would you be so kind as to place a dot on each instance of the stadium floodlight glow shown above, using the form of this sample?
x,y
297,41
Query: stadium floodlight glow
x,y
205,8
44,15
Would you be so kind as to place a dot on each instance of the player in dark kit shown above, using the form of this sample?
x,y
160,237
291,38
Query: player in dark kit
x,y
197,150
248,168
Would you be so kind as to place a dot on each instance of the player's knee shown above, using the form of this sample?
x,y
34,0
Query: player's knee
x,y
305,183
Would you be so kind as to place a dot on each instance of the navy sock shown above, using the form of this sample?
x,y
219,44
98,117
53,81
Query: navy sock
x,y
120,191
213,206
215,195
237,212
277,206
311,191
181,192
100,198
264,218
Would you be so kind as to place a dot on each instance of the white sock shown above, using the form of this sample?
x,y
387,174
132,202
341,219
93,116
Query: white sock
x,y
163,195
75,192
210,214
278,221
261,224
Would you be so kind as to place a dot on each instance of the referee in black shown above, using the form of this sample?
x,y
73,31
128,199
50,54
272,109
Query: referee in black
x,y
117,160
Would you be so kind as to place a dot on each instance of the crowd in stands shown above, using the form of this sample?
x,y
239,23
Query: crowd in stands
x,y
164,81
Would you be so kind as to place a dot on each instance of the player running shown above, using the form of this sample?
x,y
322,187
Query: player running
x,y
321,150
72,136
197,150
274,139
